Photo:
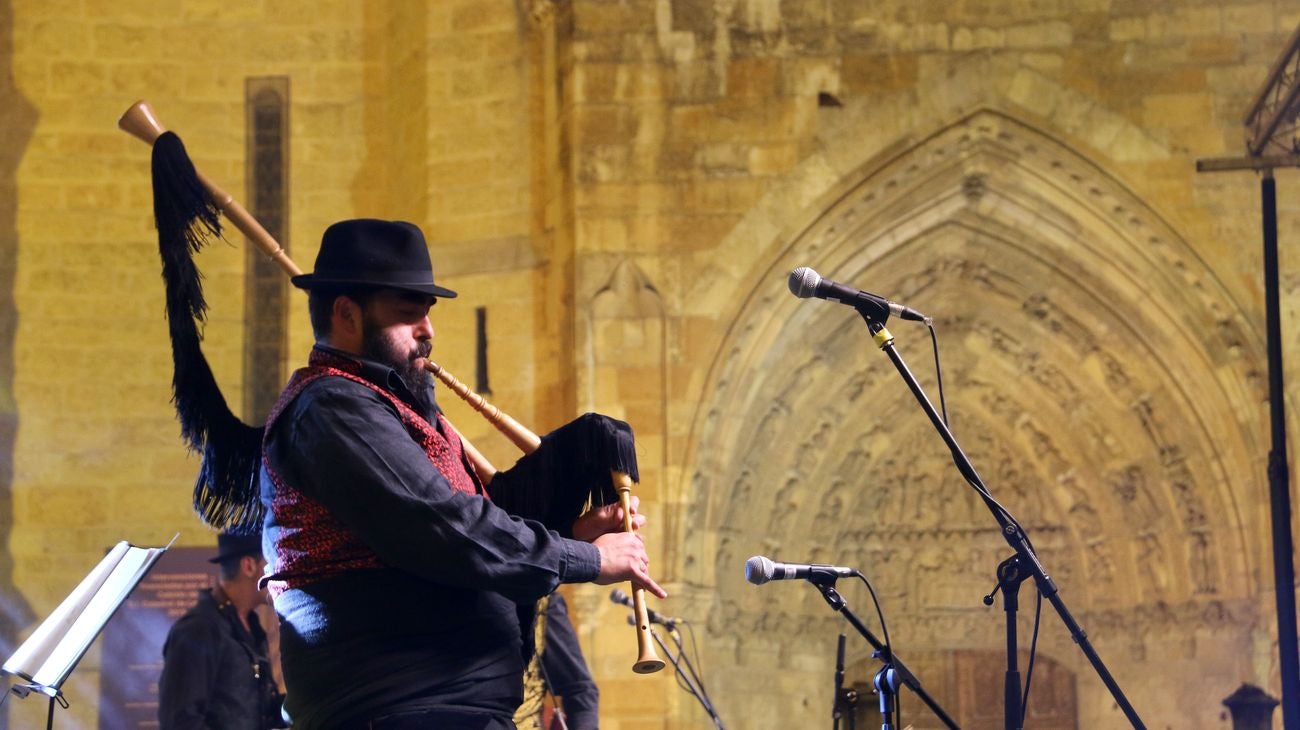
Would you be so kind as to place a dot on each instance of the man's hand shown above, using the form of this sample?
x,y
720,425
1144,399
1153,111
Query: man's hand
x,y
623,558
603,520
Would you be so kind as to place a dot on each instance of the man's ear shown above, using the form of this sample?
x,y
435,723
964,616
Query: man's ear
x,y
347,314
248,566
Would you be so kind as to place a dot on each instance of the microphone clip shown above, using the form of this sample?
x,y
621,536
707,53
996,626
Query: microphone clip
x,y
819,576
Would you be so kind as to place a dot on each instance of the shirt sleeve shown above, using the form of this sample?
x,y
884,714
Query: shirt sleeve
x,y
188,671
343,445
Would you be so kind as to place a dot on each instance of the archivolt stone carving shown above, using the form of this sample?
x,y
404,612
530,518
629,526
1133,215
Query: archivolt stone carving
x,y
1093,370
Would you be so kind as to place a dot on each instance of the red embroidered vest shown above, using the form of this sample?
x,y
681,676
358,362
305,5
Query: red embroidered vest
x,y
312,543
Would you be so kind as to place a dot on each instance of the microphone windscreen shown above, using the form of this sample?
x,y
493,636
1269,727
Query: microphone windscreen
x,y
619,597
759,570
803,282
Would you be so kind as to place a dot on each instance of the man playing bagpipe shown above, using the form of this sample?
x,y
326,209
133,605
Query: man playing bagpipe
x,y
405,587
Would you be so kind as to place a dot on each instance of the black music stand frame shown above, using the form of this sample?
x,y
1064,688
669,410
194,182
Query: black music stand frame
x,y
70,622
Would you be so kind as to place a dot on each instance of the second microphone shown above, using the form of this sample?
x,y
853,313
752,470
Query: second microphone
x,y
668,622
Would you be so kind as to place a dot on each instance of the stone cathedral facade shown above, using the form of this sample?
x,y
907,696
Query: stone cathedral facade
x,y
619,188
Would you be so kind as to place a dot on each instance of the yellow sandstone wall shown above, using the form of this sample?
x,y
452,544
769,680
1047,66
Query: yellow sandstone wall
x,y
97,457
622,185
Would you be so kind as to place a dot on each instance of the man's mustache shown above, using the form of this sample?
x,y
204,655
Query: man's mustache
x,y
424,350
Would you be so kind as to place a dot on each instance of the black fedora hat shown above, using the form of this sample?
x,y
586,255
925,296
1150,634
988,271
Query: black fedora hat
x,y
371,252
237,546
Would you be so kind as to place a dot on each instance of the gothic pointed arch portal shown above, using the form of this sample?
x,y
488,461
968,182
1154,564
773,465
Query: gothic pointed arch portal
x,y
1097,375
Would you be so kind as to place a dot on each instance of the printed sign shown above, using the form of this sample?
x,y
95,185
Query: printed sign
x,y
133,639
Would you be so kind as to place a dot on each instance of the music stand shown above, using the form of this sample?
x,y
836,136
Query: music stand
x,y
53,650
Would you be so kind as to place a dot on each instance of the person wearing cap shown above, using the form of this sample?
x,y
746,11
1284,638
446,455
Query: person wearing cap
x,y
399,583
216,671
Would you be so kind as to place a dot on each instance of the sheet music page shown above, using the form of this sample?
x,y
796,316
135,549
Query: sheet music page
x,y
91,621
34,652
49,656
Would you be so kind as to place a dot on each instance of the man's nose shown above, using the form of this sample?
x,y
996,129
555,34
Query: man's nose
x,y
424,329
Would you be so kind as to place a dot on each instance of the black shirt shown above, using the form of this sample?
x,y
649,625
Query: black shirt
x,y
215,672
437,625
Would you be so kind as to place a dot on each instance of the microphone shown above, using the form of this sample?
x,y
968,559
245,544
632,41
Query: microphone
x,y
759,570
805,283
668,622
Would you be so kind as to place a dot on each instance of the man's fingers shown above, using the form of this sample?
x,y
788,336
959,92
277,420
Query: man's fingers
x,y
649,584
641,577
623,556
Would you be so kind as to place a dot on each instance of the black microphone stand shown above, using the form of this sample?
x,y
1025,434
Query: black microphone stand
x,y
1010,576
1009,527
688,678
845,698
894,671
685,658
887,682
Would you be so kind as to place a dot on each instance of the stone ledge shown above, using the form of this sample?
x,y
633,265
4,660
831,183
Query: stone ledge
x,y
484,255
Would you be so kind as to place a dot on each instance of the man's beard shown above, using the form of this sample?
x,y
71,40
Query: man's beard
x,y
383,350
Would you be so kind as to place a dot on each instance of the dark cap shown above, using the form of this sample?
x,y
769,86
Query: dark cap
x,y
237,546
371,252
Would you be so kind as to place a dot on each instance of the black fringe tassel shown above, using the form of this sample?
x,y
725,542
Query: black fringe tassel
x,y
226,489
